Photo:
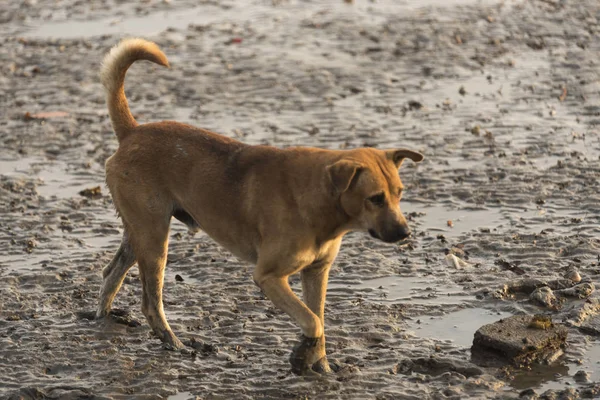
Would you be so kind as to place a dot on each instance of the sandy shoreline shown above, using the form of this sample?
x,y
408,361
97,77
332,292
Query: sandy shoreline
x,y
501,97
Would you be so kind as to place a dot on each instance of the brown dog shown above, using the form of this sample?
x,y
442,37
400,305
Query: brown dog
x,y
285,210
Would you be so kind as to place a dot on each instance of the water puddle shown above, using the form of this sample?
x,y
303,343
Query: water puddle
x,y
458,327
156,22
416,290
559,375
464,221
144,25
56,182
55,178
181,396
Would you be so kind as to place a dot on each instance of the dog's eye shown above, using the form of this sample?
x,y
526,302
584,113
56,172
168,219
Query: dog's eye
x,y
378,199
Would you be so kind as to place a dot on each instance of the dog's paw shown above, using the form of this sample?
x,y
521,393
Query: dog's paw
x,y
123,317
170,341
322,366
308,357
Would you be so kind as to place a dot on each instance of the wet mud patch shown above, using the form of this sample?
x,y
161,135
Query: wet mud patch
x,y
501,97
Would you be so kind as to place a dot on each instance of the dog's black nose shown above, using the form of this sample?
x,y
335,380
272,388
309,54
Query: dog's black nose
x,y
393,236
404,232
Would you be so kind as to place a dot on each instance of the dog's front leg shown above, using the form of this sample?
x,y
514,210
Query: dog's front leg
x,y
314,290
277,289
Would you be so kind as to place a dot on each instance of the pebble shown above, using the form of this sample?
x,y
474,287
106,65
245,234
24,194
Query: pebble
x,y
573,275
581,376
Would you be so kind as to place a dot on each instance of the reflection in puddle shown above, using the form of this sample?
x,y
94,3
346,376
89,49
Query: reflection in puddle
x,y
181,396
544,377
436,219
458,327
55,178
57,182
468,221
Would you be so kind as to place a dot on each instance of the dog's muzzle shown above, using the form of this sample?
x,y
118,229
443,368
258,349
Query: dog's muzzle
x,y
374,234
394,236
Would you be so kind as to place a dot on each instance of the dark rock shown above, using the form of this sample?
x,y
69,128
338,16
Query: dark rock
x,y
559,284
581,376
525,286
591,326
506,338
586,317
528,394
581,291
545,297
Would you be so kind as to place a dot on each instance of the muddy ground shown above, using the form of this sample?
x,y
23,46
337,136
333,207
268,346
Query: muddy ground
x,y
501,96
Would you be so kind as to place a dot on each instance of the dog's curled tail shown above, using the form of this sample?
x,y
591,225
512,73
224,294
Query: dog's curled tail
x,y
112,75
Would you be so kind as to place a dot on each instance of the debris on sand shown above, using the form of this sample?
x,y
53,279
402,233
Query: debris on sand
x,y
414,105
510,266
548,293
573,275
581,291
591,326
521,339
525,286
545,297
45,115
584,315
454,261
476,130
91,193
563,95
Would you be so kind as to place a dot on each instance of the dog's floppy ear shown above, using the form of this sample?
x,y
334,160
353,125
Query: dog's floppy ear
x,y
398,155
342,173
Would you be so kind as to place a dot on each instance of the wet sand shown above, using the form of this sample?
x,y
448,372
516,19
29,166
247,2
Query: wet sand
x,y
501,97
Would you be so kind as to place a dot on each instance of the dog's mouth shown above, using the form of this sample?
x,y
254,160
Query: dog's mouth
x,y
388,239
374,234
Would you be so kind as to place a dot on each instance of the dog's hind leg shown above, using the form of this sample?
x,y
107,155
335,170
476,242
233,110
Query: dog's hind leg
x,y
150,243
114,274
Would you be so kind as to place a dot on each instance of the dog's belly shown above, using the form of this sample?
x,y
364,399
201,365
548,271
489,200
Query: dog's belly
x,y
242,249
241,245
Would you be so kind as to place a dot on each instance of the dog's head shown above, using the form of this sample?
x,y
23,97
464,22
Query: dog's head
x,y
369,189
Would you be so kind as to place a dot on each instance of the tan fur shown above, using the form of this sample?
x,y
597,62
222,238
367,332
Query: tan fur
x,y
112,75
284,210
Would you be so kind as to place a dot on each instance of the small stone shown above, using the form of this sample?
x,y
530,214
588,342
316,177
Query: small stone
x,y
415,105
544,296
581,376
581,291
456,262
573,275
178,278
92,193
528,393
